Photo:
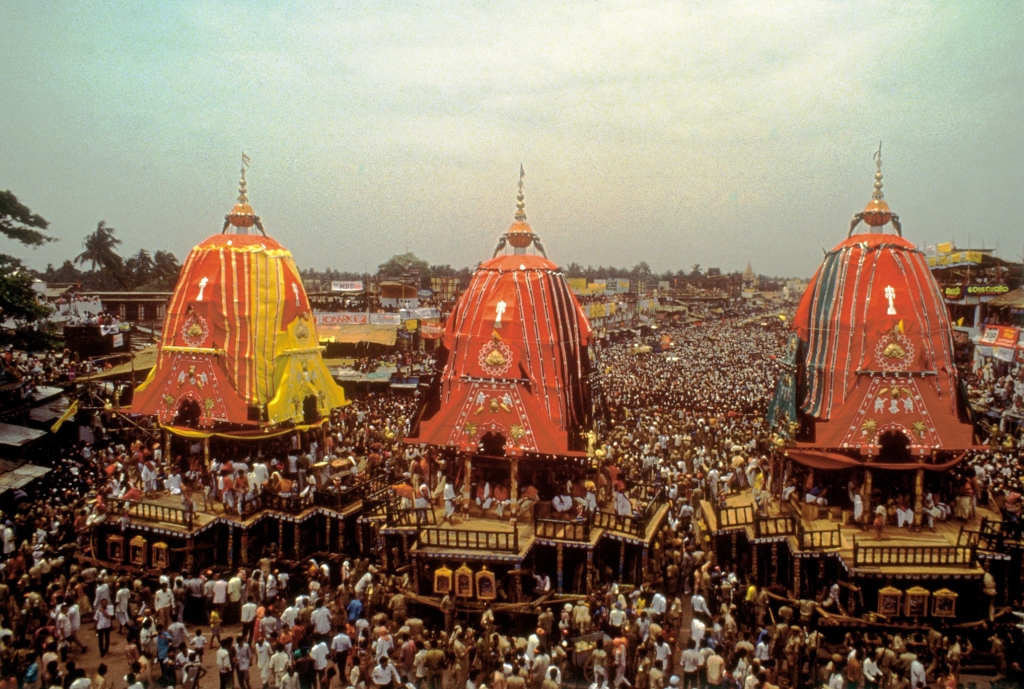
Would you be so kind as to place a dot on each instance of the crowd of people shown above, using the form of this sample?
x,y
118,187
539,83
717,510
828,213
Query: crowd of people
x,y
688,420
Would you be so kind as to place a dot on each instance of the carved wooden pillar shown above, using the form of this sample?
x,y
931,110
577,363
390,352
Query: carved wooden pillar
x,y
206,452
753,563
231,546
590,569
561,560
622,558
775,562
327,530
918,496
868,515
467,490
190,561
298,540
244,547
513,490
167,446
796,578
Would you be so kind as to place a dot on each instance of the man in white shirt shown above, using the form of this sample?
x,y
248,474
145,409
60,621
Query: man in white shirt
x,y
163,601
699,605
321,619
319,655
224,667
341,644
263,650
220,595
697,629
384,674
243,659
658,606
248,619
278,665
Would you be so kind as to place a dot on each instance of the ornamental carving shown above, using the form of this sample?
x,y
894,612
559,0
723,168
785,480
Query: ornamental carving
x,y
195,330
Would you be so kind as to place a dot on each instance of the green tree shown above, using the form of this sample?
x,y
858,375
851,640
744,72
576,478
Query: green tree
x,y
167,269
139,269
22,313
402,263
21,308
101,252
20,223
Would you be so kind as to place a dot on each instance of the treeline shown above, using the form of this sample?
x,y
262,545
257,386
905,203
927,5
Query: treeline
x,y
108,270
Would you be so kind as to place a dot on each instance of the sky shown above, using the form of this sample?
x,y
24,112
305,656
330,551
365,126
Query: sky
x,y
669,132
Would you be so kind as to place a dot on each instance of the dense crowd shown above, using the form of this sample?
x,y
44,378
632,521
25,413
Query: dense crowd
x,y
688,421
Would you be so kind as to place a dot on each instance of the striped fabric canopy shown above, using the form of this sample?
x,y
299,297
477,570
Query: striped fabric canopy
x,y
239,340
513,364
876,352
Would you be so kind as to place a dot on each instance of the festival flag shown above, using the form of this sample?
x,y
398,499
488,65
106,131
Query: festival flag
x,y
72,410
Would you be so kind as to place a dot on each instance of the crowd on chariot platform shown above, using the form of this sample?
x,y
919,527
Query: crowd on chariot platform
x,y
688,422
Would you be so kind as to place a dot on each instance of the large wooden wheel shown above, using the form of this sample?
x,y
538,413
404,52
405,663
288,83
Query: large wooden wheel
x,y
588,668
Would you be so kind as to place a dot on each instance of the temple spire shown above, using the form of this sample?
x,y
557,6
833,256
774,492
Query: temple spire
x,y
877,213
878,174
243,190
520,198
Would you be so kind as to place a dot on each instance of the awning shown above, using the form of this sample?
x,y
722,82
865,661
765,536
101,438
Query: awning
x,y
13,477
18,436
1014,299
145,359
49,412
821,459
369,332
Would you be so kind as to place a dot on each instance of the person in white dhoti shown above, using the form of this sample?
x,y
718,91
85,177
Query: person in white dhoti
x,y
904,515
562,503
483,495
501,498
449,501
623,506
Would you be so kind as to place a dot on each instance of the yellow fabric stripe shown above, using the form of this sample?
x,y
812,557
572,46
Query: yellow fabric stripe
x,y
234,317
221,279
276,253
192,433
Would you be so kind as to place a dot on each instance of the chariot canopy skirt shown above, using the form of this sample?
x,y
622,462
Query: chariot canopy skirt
x,y
239,344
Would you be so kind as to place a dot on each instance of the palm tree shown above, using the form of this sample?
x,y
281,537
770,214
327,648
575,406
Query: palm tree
x,y
139,268
101,251
167,268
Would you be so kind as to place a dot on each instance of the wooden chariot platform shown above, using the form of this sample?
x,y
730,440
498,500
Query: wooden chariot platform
x,y
806,548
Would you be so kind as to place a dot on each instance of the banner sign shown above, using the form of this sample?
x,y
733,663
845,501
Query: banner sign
x,y
987,290
1000,336
411,325
332,319
955,258
347,286
431,329
420,313
425,293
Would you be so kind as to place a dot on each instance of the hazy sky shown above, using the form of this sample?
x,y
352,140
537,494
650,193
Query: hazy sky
x,y
672,132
